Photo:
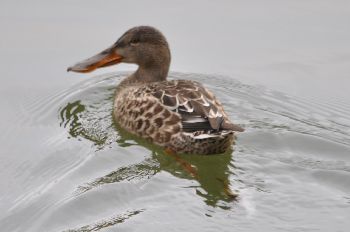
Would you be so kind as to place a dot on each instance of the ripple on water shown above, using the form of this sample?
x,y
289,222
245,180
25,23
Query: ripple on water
x,y
291,165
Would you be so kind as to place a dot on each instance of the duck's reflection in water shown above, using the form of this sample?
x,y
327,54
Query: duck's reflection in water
x,y
211,171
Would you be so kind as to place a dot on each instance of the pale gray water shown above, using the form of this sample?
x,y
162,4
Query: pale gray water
x,y
283,74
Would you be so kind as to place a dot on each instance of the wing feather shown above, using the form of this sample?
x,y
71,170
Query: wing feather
x,y
197,106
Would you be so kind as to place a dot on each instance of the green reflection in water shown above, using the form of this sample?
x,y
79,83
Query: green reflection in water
x,y
70,116
211,172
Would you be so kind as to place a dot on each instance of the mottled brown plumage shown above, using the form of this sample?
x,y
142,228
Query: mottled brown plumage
x,y
178,114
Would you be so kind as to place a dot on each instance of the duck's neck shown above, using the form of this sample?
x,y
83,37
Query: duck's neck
x,y
151,73
147,75
152,69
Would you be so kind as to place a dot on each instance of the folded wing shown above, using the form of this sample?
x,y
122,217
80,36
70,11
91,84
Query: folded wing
x,y
198,107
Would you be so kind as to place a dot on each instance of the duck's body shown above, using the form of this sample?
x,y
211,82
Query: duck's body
x,y
181,115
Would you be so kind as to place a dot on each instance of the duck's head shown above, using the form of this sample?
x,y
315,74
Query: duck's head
x,y
143,45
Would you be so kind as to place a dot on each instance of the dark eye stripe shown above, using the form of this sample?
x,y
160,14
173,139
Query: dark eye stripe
x,y
134,42
135,39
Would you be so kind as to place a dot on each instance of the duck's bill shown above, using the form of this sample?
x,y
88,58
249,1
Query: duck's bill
x,y
106,58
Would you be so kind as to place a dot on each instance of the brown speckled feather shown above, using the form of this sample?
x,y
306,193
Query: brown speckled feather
x,y
179,114
193,102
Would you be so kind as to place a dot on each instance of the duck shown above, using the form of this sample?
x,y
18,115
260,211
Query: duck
x,y
181,116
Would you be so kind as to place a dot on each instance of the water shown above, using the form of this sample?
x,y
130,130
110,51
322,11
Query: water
x,y
290,167
64,166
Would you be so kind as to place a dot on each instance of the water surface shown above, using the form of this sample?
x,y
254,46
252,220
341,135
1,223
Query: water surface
x,y
290,167
280,69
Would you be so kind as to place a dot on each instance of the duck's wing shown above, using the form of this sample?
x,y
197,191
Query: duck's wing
x,y
198,107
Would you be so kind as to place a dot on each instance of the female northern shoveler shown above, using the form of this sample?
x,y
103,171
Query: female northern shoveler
x,y
181,115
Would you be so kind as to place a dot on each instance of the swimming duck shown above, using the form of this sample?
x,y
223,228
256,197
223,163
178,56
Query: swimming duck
x,y
180,115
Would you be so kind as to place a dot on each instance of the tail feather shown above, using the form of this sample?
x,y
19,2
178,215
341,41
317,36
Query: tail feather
x,y
230,126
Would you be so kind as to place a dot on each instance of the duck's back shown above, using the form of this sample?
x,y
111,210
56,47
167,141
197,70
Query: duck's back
x,y
179,114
